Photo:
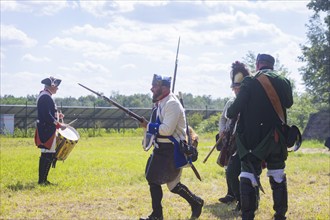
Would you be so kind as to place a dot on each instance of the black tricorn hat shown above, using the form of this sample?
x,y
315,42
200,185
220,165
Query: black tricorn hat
x,y
51,81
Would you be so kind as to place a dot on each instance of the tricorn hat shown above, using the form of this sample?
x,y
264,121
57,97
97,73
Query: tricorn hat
x,y
51,81
161,80
266,58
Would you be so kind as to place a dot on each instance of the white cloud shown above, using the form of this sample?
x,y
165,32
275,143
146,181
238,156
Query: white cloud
x,y
10,35
12,6
281,5
25,80
119,45
35,7
87,67
129,66
86,47
31,58
109,8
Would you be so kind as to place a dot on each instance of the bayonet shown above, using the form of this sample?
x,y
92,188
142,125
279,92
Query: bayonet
x,y
176,65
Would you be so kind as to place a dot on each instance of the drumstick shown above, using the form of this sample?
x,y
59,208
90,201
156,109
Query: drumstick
x,y
73,121
216,144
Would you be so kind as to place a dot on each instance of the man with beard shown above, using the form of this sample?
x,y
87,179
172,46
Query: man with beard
x,y
170,129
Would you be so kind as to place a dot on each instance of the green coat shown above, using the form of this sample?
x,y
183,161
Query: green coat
x,y
258,119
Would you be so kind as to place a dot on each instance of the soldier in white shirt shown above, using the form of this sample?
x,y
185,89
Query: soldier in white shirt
x,y
162,166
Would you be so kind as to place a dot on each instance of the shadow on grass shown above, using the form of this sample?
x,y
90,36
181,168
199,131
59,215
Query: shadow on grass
x,y
223,211
20,186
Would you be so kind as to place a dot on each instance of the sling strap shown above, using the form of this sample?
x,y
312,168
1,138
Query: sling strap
x,y
272,95
293,137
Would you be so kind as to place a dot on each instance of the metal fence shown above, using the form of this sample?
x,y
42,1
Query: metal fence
x,y
25,116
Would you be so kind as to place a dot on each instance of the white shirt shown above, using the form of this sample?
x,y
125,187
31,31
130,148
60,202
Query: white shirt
x,y
172,117
224,122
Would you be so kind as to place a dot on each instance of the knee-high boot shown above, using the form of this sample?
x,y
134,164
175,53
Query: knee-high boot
x,y
280,198
249,200
233,171
156,193
195,202
45,162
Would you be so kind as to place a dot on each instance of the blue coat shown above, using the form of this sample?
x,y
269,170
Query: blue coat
x,y
46,128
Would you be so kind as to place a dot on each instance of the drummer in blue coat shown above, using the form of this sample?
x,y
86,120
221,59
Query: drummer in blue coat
x,y
47,124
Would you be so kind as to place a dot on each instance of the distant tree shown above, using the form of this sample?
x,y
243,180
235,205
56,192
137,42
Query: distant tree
x,y
11,100
250,61
316,54
210,124
299,113
136,100
194,120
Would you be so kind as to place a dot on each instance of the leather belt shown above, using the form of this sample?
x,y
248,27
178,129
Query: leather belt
x,y
163,140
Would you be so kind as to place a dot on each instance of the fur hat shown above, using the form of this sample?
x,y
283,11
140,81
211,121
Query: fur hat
x,y
161,80
237,74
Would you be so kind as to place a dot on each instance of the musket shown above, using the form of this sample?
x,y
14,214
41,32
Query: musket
x,y
189,142
173,86
126,110
176,65
73,121
219,141
216,144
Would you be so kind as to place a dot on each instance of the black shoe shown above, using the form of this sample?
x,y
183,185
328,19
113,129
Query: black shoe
x,y
45,183
227,199
152,217
197,208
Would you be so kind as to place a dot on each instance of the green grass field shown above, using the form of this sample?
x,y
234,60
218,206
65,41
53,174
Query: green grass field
x,y
103,178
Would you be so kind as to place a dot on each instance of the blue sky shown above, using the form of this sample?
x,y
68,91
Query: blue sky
x,y
117,46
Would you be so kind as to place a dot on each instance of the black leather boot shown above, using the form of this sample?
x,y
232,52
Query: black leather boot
x,y
249,199
45,162
195,202
156,193
230,195
280,198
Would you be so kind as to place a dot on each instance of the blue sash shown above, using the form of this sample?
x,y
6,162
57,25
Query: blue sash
x,y
179,158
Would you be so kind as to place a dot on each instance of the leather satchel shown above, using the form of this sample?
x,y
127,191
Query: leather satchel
x,y
292,133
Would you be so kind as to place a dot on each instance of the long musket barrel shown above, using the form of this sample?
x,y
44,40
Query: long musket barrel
x,y
129,112
176,65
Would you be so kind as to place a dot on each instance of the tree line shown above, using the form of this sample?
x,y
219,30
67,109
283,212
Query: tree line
x,y
129,101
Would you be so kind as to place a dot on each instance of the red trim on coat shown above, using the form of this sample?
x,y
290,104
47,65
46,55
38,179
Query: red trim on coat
x,y
48,144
